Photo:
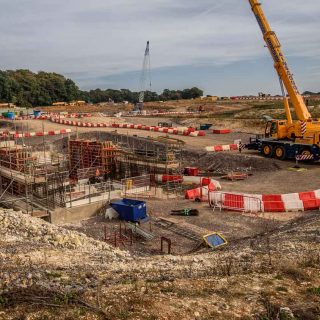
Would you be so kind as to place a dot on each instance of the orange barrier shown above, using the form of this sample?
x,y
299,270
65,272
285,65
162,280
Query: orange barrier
x,y
221,131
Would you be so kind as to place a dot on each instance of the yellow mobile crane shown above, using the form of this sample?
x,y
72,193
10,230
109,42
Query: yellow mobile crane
x,y
286,139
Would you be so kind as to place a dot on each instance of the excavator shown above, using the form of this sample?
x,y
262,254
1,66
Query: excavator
x,y
286,139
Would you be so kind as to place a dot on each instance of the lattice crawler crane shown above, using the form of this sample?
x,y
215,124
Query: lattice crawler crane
x,y
145,78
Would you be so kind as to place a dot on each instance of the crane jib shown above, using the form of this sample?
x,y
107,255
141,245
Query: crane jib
x,y
277,57
280,64
274,53
261,24
294,86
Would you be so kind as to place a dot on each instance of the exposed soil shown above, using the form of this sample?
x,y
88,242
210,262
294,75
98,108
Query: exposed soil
x,y
270,275
233,226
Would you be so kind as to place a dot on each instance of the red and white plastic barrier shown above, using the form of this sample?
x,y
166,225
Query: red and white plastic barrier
x,y
206,185
202,181
178,130
154,114
50,115
293,202
257,98
78,115
17,135
220,148
221,131
170,130
200,193
44,117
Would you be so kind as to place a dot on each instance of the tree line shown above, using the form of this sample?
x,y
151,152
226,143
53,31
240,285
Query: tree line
x,y
28,89
309,93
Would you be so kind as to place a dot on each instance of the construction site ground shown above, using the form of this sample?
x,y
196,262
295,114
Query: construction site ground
x,y
234,226
266,173
49,273
268,270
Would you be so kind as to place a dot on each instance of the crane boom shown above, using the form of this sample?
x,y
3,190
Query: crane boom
x,y
281,65
145,72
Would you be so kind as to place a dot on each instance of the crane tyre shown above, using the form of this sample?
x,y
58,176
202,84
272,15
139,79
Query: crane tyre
x,y
267,150
280,152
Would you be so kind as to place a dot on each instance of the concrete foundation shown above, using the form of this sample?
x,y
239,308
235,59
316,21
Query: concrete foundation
x,y
71,215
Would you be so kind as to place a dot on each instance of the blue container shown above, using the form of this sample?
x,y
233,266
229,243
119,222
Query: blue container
x,y
130,210
11,115
37,113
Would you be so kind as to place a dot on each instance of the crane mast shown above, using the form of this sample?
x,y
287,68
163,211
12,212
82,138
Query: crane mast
x,y
281,66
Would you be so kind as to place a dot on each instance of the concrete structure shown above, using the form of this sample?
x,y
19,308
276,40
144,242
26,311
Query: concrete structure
x,y
86,211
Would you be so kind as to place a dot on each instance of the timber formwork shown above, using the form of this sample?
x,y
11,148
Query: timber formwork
x,y
89,158
110,154
18,158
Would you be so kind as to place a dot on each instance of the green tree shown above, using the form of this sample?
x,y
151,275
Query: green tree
x,y
27,89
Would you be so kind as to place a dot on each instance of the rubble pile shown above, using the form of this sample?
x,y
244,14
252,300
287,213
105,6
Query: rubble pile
x,y
52,272
22,228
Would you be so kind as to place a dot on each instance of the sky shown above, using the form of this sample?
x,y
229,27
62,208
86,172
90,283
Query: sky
x,y
212,44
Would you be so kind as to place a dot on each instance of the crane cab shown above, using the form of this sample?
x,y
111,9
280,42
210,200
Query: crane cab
x,y
276,129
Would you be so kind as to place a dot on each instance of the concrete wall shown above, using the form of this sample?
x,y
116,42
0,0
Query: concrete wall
x,y
104,197
70,215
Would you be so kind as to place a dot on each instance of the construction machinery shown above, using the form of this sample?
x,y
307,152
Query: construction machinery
x,y
144,77
286,139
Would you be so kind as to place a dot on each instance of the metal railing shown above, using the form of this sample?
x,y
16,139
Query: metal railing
x,y
235,202
136,185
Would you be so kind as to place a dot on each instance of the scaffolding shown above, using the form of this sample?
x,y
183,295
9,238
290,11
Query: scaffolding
x,y
38,182
33,186
161,156
89,157
17,158
128,159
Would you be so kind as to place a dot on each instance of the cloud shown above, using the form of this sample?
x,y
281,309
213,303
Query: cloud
x,y
95,39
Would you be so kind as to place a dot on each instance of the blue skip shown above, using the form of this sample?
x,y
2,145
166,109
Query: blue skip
x,y
130,210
